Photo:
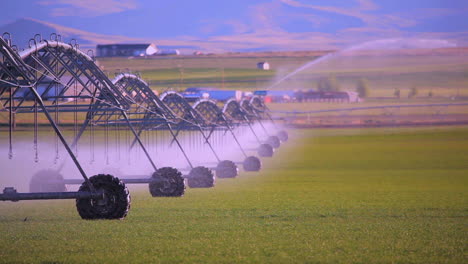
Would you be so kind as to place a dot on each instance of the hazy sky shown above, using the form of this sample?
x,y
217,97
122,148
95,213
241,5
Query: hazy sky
x,y
252,23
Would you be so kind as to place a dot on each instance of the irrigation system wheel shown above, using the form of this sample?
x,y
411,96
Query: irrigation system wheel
x,y
112,171
167,182
273,141
114,204
201,177
252,163
227,169
283,136
265,150
47,181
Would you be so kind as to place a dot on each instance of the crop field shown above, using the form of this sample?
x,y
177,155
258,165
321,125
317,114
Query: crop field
x,y
390,195
443,73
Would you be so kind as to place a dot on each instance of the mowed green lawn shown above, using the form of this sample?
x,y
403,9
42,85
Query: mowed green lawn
x,y
349,196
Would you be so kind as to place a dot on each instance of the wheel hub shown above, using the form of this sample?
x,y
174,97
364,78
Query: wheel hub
x,y
106,203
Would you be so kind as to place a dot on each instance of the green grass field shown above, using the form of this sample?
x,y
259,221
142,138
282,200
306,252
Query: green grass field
x,y
328,196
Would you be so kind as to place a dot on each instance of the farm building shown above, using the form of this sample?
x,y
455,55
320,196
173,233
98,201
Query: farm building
x,y
125,50
276,96
166,52
195,93
281,96
263,65
331,96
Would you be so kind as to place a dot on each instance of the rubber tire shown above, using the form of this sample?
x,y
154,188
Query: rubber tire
x,y
283,135
118,199
265,150
227,169
252,163
201,177
112,171
47,181
172,184
274,141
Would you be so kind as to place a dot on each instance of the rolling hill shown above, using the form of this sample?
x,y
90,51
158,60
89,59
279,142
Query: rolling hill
x,y
23,30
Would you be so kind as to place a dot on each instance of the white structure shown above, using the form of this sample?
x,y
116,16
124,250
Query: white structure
x,y
125,50
151,50
353,97
263,65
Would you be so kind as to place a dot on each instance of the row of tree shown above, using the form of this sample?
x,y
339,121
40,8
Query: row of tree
x,y
331,84
412,93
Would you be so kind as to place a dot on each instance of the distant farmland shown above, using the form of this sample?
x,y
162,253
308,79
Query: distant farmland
x,y
442,71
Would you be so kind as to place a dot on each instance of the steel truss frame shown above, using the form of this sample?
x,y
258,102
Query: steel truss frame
x,y
14,75
60,78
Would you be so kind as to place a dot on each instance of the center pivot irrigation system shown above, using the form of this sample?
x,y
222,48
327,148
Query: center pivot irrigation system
x,y
53,79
